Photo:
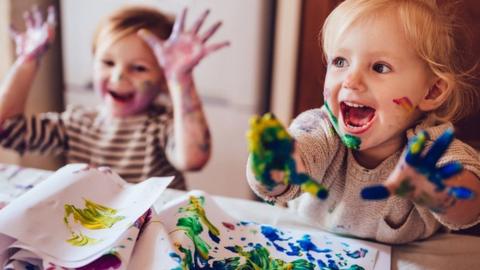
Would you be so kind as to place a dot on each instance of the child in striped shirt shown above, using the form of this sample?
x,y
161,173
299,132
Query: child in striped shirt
x,y
140,55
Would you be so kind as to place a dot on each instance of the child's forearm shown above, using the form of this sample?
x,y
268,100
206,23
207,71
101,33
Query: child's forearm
x,y
15,88
190,145
464,212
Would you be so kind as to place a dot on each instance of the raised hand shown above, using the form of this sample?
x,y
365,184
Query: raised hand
x,y
417,177
184,49
39,34
271,149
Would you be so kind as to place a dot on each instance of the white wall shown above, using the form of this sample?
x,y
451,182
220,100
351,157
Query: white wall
x,y
231,82
46,92
235,74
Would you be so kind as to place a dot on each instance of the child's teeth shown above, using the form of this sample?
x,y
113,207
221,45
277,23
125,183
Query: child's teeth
x,y
353,104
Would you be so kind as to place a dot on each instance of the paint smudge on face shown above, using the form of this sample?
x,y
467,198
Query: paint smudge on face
x,y
348,140
147,86
405,103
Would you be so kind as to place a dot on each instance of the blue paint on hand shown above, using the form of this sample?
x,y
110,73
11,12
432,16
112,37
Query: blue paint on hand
x,y
449,170
461,193
377,192
426,165
439,147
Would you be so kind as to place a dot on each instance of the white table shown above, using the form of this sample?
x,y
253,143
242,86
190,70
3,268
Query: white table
x,y
442,251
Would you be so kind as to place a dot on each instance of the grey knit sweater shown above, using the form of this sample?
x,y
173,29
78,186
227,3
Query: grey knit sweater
x,y
395,220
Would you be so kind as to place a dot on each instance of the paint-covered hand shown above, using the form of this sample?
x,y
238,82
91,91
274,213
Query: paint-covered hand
x,y
184,49
417,177
272,162
39,34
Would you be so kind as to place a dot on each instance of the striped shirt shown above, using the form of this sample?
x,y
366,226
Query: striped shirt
x,y
133,146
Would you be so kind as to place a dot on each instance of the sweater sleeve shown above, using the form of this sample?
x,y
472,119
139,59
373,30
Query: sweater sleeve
x,y
40,133
317,143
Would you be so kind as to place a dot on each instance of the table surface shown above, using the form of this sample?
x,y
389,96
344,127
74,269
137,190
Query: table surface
x,y
442,251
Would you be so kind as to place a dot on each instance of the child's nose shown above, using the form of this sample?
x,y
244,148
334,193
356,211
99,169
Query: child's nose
x,y
117,75
354,81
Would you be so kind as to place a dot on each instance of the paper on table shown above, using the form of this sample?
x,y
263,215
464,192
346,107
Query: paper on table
x,y
201,233
40,215
15,180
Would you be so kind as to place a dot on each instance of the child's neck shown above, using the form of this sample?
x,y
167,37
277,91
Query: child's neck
x,y
372,157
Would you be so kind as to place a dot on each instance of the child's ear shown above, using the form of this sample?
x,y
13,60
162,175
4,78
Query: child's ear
x,y
436,95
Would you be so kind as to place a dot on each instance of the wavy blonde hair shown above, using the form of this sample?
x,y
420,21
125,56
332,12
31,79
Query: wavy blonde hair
x,y
432,32
129,20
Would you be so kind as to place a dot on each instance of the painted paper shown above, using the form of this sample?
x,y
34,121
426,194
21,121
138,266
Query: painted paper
x,y
79,214
198,234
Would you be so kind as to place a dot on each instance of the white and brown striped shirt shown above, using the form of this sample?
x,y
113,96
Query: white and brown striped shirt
x,y
134,147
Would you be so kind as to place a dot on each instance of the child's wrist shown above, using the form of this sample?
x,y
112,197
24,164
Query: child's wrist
x,y
26,63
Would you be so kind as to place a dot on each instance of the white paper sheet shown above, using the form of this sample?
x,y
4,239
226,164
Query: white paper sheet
x,y
38,219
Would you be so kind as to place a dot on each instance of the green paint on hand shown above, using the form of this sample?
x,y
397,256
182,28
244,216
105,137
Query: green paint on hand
x,y
271,149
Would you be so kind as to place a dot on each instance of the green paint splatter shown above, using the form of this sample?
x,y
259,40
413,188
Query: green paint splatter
x,y
79,239
271,149
195,207
405,187
93,217
258,258
348,140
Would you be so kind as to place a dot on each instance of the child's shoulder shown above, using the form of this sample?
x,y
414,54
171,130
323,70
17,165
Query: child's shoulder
x,y
311,120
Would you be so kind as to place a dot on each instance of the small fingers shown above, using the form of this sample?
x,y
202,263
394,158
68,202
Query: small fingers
x,y
415,148
28,18
198,24
375,192
211,31
215,47
440,145
450,170
13,32
37,16
52,16
179,25
461,193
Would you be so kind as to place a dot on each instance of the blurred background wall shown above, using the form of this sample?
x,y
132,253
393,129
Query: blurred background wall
x,y
234,83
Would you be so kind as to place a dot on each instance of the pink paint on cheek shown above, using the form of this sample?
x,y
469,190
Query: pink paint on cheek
x,y
405,103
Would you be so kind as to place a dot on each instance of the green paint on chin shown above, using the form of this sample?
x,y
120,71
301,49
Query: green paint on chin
x,y
348,140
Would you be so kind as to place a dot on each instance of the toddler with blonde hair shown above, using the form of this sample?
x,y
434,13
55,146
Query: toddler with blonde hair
x,y
393,75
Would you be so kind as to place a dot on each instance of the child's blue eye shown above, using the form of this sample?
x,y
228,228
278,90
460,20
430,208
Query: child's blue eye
x,y
381,68
339,62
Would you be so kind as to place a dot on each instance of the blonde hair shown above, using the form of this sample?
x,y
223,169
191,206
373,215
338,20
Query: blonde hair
x,y
430,30
129,20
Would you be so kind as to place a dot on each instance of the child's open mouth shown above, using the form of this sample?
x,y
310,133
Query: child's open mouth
x,y
122,97
357,117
